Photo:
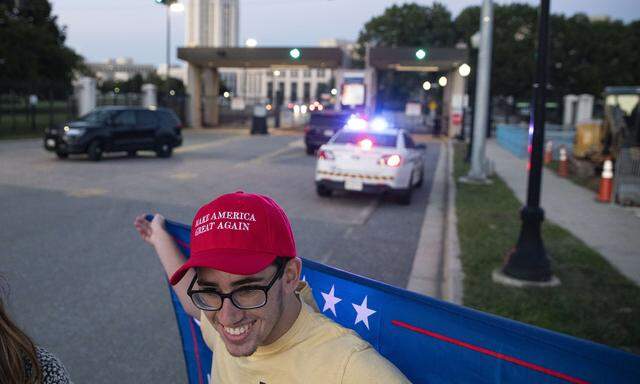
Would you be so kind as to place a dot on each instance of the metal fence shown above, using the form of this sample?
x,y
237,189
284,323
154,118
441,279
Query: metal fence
x,y
27,109
627,177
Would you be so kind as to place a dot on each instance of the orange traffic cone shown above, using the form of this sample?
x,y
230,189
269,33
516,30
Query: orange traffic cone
x,y
548,152
604,195
563,166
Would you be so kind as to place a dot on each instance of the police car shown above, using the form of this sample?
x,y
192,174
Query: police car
x,y
368,156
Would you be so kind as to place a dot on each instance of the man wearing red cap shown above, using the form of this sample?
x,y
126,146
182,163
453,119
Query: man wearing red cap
x,y
270,330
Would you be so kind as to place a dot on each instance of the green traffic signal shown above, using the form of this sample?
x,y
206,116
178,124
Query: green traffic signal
x,y
421,54
295,53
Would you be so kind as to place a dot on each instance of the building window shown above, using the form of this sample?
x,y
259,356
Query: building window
x,y
294,92
293,73
306,73
307,92
320,72
270,91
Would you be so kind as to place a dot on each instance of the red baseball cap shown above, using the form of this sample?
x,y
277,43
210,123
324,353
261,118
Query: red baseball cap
x,y
239,233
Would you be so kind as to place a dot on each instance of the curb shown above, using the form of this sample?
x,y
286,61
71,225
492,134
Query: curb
x,y
453,275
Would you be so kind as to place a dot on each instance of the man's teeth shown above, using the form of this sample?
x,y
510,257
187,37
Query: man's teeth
x,y
238,330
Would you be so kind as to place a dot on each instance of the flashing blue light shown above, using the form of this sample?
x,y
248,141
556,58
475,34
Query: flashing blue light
x,y
356,124
379,124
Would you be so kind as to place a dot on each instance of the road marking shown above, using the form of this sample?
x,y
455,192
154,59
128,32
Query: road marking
x,y
213,144
270,155
184,176
87,192
366,213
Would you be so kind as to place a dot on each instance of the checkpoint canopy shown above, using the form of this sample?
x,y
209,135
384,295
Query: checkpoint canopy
x,y
204,80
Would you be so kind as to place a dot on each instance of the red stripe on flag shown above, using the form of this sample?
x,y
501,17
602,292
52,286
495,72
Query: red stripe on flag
x,y
196,351
489,352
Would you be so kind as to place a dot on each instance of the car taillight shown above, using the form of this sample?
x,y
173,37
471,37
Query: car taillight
x,y
307,128
325,155
391,160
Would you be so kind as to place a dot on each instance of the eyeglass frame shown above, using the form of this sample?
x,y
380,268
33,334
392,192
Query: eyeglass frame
x,y
281,263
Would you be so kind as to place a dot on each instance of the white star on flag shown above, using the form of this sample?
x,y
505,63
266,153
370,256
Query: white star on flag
x,y
330,301
363,312
304,278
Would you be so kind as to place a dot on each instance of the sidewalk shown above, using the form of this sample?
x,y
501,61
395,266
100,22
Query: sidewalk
x,y
611,230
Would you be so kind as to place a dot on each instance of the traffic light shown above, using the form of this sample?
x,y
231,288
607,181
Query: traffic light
x,y
295,53
421,54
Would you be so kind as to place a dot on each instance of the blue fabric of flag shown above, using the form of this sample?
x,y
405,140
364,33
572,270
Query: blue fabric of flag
x,y
432,341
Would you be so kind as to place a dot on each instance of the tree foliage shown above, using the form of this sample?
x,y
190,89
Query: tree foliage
x,y
32,49
584,56
406,25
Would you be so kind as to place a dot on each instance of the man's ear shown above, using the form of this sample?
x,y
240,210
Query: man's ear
x,y
291,274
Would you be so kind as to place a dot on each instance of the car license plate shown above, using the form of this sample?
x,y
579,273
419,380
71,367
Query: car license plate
x,y
328,132
51,143
353,185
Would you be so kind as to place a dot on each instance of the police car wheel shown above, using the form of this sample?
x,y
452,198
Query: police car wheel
x,y
323,191
419,184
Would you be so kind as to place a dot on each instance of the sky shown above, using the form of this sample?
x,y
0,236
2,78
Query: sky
x,y
99,29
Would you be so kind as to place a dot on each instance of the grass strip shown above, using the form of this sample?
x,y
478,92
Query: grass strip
x,y
594,302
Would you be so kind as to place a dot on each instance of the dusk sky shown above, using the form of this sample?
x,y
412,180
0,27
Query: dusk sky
x,y
99,30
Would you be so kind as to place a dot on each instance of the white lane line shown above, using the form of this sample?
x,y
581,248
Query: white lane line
x,y
270,155
212,144
183,176
87,192
366,213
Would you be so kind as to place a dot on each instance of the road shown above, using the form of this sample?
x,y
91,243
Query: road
x,y
85,286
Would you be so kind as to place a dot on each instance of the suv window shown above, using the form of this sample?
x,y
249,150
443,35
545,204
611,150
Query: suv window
x,y
168,119
146,120
380,140
328,120
125,118
408,141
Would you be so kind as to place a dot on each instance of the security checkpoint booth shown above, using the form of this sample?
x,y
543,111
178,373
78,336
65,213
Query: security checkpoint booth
x,y
203,77
203,82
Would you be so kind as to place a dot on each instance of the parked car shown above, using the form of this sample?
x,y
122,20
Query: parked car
x,y
361,158
116,129
323,125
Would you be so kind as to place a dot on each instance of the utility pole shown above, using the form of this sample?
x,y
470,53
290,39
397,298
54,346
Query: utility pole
x,y
477,174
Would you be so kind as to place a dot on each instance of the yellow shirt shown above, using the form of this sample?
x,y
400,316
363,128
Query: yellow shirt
x,y
314,350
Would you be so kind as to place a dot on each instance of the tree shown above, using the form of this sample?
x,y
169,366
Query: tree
x,y
32,49
406,25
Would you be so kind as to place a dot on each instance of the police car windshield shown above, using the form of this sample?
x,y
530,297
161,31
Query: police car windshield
x,y
378,139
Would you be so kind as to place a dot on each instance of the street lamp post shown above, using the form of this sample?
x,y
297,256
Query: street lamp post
x,y
172,6
528,263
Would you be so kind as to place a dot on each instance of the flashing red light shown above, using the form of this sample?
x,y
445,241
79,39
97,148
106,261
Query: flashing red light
x,y
325,155
365,144
393,161
307,128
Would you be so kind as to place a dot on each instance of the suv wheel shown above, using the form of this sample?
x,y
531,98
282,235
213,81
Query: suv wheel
x,y
323,191
310,150
95,151
164,149
62,155
131,153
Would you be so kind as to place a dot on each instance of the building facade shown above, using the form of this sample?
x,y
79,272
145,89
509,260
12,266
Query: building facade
x,y
120,69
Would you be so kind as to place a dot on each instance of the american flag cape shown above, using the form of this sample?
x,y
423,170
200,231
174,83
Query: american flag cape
x,y
432,341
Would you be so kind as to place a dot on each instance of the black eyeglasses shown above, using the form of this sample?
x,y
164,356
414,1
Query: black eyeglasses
x,y
248,297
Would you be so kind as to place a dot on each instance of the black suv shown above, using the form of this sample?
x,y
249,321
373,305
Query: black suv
x,y
323,125
115,129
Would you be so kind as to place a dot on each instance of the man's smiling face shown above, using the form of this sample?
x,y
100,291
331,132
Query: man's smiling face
x,y
243,331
